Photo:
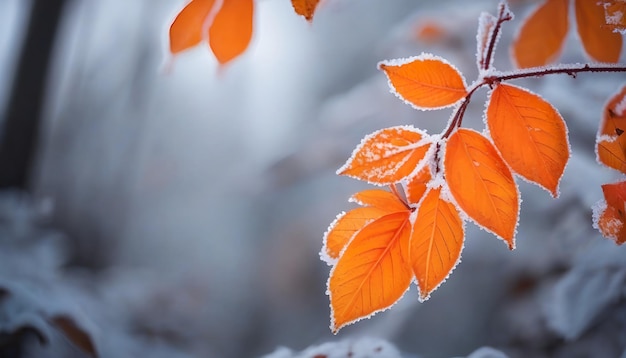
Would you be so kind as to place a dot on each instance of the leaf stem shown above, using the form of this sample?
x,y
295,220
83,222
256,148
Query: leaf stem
x,y
457,120
503,15
395,192
569,69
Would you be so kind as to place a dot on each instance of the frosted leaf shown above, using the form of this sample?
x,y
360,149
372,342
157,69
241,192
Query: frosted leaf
x,y
388,155
550,114
611,227
357,267
441,87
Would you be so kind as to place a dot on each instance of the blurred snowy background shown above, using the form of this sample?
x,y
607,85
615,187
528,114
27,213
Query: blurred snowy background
x,y
180,213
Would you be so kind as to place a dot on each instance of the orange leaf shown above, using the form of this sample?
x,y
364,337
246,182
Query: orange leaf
x,y
542,35
377,203
381,199
416,186
346,225
600,43
481,183
231,30
530,134
305,8
615,15
372,274
614,115
612,153
611,141
436,242
429,31
186,30
610,216
425,81
387,156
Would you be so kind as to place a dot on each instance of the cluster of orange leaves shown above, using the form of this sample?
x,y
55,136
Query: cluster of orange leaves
x,y
227,24
415,231
610,215
543,33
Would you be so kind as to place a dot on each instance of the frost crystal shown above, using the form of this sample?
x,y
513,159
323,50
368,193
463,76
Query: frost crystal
x,y
486,23
620,107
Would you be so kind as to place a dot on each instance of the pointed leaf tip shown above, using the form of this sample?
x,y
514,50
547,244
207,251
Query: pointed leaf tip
x,y
530,134
231,30
425,81
305,8
186,29
482,183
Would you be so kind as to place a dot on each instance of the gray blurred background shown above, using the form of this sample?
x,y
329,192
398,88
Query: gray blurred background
x,y
178,211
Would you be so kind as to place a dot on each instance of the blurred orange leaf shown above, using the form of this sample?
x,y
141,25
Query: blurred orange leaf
x,y
231,30
611,142
481,183
530,134
425,81
599,41
612,216
305,8
387,156
372,273
542,35
429,31
436,242
186,30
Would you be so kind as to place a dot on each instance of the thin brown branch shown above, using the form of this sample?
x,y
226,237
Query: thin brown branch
x,y
400,197
570,69
457,120
503,16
